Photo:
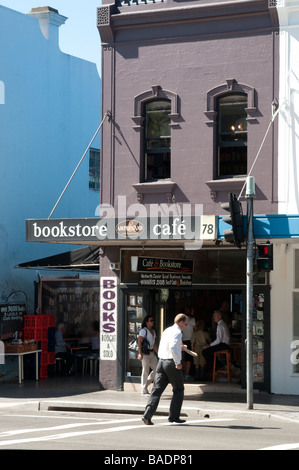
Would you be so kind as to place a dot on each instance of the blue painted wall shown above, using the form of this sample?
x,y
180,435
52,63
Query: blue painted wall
x,y
49,112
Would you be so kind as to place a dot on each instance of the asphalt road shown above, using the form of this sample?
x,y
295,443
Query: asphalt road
x,y
124,436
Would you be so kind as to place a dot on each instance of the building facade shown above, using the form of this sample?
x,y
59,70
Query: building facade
x,y
49,103
192,90
284,279
198,96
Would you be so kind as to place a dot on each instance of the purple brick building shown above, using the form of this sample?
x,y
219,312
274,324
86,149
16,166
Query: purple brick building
x,y
190,88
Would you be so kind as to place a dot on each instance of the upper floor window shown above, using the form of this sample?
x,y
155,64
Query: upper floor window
x,y
94,169
157,147
232,135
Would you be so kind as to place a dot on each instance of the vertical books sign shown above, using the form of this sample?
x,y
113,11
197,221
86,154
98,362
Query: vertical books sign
x,y
108,318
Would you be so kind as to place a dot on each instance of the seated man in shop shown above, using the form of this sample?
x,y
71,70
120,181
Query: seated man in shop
x,y
62,349
221,342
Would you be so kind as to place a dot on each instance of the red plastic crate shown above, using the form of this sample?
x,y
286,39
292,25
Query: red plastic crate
x,y
29,321
43,372
41,334
51,357
29,333
47,357
35,321
39,321
51,321
44,359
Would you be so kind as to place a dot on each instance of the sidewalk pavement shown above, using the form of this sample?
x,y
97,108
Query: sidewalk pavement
x,y
83,394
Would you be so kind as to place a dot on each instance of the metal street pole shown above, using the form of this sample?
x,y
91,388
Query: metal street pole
x,y
250,193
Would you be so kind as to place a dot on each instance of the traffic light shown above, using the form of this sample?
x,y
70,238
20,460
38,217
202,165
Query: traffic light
x,y
234,235
265,257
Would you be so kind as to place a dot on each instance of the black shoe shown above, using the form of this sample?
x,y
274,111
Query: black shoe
x,y
176,420
147,421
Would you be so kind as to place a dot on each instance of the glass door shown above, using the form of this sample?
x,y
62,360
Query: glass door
x,y
138,304
135,312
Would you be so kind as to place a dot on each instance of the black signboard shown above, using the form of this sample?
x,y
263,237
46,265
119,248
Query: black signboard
x,y
165,280
107,229
164,265
11,319
161,272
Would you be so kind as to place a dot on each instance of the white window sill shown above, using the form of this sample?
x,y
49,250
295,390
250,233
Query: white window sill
x,y
155,187
226,184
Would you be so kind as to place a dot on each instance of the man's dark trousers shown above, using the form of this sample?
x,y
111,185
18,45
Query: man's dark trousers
x,y
166,373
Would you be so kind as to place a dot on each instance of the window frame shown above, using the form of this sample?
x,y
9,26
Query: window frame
x,y
93,174
222,143
231,86
154,151
155,93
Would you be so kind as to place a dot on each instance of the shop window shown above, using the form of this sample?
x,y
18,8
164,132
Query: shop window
x,y
210,266
74,303
232,136
94,170
157,140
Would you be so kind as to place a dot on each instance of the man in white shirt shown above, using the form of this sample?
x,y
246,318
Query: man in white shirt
x,y
221,342
169,370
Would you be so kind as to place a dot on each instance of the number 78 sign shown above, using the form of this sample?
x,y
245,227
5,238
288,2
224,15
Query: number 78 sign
x,y
208,227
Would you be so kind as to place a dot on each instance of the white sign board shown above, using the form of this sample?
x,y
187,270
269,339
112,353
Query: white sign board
x,y
108,318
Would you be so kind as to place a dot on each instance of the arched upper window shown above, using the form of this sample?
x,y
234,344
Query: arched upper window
x,y
157,140
232,135
155,115
230,107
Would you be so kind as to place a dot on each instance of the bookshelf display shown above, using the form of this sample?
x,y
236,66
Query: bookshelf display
x,y
258,338
74,302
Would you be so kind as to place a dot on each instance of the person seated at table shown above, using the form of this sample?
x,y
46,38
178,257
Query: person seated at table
x,y
62,349
221,342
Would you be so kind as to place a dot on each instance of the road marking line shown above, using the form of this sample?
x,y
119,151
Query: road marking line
x,y
65,426
100,431
283,447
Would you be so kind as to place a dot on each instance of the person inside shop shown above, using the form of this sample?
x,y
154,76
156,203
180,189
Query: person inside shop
x,y
169,370
187,335
63,350
225,311
200,338
149,361
221,342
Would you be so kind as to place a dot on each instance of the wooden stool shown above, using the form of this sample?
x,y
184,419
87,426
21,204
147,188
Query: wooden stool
x,y
227,371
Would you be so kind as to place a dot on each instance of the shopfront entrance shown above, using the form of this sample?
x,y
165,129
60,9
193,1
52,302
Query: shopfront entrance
x,y
165,304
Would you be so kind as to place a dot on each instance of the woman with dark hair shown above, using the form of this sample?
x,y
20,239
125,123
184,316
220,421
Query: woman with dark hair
x,y
149,361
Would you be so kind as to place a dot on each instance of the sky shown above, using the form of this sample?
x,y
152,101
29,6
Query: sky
x,y
79,35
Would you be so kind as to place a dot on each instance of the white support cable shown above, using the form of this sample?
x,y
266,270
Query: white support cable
x,y
261,146
107,114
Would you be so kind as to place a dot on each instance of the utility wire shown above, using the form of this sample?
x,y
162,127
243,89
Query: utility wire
x,y
261,146
107,114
